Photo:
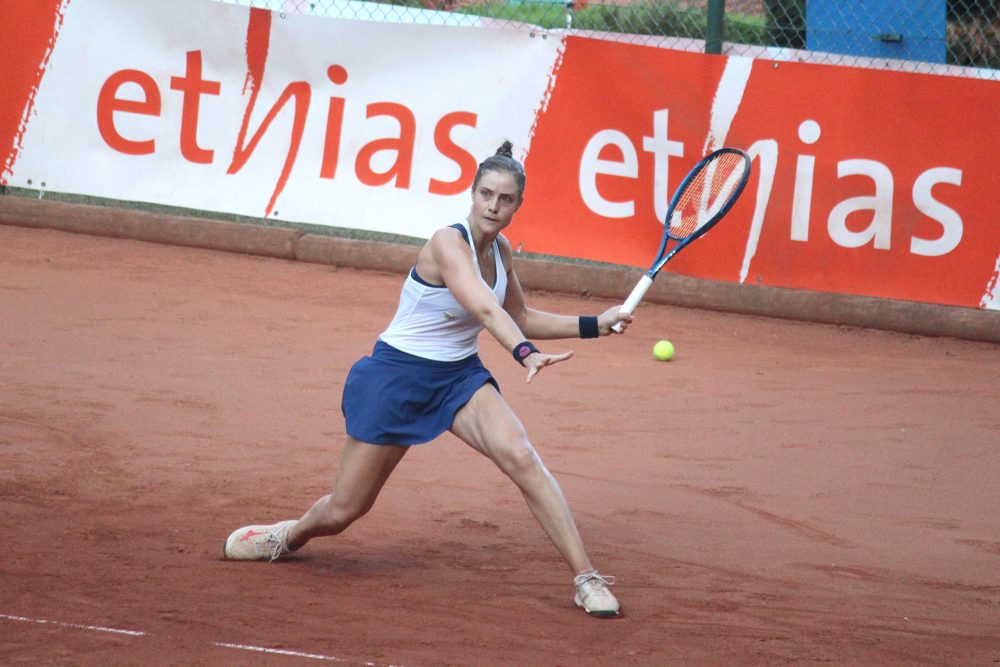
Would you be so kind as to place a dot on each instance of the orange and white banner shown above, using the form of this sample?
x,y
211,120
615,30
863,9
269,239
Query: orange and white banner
x,y
865,182
212,106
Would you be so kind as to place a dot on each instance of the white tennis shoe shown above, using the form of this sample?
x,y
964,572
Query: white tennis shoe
x,y
259,542
593,596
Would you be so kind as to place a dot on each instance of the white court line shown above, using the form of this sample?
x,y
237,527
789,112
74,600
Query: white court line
x,y
78,626
279,651
297,654
139,633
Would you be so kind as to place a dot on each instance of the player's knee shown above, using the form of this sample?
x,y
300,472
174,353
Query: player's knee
x,y
520,461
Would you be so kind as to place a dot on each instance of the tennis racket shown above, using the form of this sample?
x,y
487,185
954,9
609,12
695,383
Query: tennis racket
x,y
703,198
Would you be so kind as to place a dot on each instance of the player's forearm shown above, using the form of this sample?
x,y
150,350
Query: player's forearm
x,y
540,325
501,326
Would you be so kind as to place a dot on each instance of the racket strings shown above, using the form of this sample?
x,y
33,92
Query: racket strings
x,y
706,194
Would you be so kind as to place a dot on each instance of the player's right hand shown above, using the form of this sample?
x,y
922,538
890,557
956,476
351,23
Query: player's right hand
x,y
613,321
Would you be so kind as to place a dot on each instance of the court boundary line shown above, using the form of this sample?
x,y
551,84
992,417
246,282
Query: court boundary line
x,y
230,645
75,626
281,651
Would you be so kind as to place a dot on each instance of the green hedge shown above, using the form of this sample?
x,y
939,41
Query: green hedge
x,y
662,19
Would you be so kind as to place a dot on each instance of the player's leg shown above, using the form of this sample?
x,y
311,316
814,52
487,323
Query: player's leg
x,y
359,478
488,424
363,471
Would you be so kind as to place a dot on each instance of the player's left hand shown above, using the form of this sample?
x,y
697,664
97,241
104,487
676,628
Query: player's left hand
x,y
539,360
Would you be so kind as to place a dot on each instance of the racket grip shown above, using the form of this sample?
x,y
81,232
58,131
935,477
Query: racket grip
x,y
634,298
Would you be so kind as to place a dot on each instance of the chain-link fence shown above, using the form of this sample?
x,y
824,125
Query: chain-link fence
x,y
945,36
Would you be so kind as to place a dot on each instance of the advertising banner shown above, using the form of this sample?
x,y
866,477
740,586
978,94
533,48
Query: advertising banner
x,y
865,182
212,106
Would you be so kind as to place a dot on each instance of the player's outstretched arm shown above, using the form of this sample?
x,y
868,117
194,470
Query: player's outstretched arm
x,y
449,258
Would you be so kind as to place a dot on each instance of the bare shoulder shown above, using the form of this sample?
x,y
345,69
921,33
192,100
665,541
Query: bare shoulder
x,y
440,247
447,240
446,253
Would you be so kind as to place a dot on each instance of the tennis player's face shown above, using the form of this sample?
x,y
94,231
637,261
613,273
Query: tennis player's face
x,y
494,201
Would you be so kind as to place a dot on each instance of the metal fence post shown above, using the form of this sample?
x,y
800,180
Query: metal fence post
x,y
716,26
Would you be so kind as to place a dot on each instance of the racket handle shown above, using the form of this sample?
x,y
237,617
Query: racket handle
x,y
634,298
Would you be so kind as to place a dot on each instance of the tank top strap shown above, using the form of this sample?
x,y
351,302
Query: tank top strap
x,y
463,228
465,232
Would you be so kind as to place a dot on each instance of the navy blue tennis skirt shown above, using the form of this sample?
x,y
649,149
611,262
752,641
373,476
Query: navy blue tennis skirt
x,y
395,398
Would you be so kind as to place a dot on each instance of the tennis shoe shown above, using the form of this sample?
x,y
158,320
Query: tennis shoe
x,y
593,596
259,542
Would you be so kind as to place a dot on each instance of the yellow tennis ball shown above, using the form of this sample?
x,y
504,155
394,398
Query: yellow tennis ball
x,y
663,350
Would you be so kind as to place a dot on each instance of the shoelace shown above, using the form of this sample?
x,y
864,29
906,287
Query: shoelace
x,y
275,542
591,578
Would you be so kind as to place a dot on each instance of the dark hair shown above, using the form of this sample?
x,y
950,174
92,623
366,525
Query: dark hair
x,y
503,160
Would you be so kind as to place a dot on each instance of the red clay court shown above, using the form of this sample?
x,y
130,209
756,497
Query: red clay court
x,y
779,493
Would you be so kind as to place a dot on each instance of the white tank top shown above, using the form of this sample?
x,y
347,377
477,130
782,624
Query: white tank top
x,y
431,323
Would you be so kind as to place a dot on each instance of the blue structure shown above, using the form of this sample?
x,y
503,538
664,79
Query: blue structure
x,y
913,30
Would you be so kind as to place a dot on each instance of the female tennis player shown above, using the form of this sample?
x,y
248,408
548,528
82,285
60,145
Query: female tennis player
x,y
424,377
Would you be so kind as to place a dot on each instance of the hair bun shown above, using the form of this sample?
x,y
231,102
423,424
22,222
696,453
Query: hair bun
x,y
502,161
